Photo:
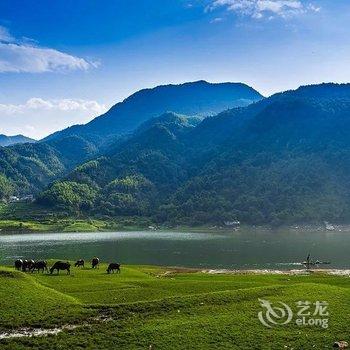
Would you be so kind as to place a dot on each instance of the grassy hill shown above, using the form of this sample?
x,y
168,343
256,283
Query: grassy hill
x,y
158,308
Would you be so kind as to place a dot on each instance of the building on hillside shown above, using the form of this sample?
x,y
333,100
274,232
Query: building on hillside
x,y
27,198
13,199
234,223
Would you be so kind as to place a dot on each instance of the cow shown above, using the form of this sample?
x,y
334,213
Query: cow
x,y
24,265
39,265
95,262
27,265
112,267
18,264
60,265
79,263
30,264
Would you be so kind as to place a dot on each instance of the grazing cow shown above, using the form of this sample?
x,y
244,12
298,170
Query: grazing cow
x,y
26,265
79,263
39,265
113,267
30,264
95,262
18,264
60,265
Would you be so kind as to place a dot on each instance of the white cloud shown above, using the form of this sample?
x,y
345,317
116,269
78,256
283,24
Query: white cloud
x,y
38,117
66,104
216,20
264,8
5,35
25,56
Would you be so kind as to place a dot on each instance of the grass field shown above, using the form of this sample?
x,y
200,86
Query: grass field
x,y
152,308
30,217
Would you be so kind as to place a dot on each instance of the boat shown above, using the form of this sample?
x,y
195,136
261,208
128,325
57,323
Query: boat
x,y
309,262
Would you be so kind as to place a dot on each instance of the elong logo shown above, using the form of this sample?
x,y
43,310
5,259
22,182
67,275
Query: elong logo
x,y
308,314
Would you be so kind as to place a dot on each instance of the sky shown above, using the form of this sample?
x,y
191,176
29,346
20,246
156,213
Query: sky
x,y
64,62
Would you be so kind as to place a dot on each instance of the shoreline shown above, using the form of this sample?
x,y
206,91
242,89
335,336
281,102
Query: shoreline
x,y
304,272
95,226
170,271
173,270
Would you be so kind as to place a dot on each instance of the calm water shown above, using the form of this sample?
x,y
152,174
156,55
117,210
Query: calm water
x,y
242,249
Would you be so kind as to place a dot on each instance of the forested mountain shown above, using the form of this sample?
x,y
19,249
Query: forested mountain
x,y
194,99
12,140
29,168
283,159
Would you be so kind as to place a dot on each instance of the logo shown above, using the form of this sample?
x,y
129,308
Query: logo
x,y
308,314
274,315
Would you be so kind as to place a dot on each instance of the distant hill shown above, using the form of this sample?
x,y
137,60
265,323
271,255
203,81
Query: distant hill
x,y
194,99
12,140
29,167
284,159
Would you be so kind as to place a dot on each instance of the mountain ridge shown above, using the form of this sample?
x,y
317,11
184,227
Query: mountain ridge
x,y
192,98
6,140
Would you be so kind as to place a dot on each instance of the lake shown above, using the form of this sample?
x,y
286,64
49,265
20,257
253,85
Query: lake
x,y
253,249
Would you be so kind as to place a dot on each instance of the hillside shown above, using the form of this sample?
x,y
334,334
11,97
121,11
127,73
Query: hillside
x,y
197,98
12,140
29,168
284,159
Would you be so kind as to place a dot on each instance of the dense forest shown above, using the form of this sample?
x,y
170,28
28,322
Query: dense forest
x,y
283,159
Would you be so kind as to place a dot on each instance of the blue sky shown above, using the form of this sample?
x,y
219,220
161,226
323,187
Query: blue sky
x,y
65,61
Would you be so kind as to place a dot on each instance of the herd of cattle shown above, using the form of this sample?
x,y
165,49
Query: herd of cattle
x,y
41,265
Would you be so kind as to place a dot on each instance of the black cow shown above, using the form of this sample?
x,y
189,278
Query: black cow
x,y
24,265
18,264
30,264
95,262
27,265
60,265
39,265
79,262
112,267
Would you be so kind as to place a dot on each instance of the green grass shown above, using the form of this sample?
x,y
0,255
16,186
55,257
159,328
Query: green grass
x,y
31,217
26,302
180,310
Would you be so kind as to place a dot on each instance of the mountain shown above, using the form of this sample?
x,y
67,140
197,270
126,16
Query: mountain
x,y
194,99
284,159
29,168
12,140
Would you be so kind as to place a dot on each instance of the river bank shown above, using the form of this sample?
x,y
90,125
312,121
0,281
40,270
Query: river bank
x,y
132,224
30,217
